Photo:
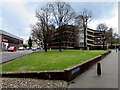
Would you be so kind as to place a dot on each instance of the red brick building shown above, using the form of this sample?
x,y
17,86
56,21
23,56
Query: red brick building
x,y
95,39
8,39
67,38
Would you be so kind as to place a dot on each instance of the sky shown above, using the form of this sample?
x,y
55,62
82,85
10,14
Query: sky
x,y
17,16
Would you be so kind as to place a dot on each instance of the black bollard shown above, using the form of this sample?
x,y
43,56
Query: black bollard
x,y
98,69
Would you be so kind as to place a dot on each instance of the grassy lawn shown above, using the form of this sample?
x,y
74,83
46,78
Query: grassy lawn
x,y
51,60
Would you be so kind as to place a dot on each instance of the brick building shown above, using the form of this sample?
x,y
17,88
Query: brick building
x,y
95,39
8,39
74,39
67,38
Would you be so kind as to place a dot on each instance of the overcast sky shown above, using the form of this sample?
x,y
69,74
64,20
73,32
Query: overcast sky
x,y
17,15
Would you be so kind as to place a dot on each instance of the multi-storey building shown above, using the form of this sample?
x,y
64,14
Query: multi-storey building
x,y
73,38
67,38
95,39
8,39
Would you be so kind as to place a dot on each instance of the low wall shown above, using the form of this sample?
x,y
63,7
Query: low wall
x,y
67,74
74,71
40,75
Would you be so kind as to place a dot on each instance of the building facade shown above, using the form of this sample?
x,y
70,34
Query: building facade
x,y
67,38
95,39
74,39
7,39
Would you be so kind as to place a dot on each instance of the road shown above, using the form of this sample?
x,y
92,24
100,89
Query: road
x,y
6,56
109,78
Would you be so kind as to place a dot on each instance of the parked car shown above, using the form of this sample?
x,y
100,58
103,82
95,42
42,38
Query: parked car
x,y
21,48
119,49
27,48
12,48
34,48
38,47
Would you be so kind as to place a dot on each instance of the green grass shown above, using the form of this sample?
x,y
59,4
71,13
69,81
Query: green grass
x,y
51,60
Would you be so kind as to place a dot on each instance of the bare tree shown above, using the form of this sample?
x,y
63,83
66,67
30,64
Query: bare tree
x,y
116,39
44,17
82,21
62,14
30,42
110,35
37,34
103,28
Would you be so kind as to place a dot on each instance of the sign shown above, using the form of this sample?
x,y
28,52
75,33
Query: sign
x,y
4,40
75,70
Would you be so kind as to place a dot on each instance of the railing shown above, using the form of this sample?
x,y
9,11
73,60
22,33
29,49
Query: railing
x,y
90,34
96,43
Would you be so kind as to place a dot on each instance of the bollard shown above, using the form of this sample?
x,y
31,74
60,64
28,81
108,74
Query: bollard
x,y
98,69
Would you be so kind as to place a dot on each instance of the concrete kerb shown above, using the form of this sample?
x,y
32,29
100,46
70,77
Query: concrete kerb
x,y
67,74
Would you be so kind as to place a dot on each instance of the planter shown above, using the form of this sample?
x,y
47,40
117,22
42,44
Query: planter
x,y
67,74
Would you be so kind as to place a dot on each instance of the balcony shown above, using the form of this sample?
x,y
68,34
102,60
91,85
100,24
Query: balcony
x,y
95,44
93,39
93,35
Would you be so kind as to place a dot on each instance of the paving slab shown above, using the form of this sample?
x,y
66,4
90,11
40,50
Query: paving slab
x,y
109,78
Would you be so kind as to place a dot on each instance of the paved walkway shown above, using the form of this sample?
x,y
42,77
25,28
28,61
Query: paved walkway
x,y
109,78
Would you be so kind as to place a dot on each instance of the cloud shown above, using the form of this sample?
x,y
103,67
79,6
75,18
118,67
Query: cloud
x,y
110,21
27,30
22,10
17,17
1,21
22,14
59,0
25,38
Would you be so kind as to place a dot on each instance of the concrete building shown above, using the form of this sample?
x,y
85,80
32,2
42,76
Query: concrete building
x,y
7,39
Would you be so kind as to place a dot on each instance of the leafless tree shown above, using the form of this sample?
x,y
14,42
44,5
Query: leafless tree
x,y
37,34
103,28
110,35
116,39
42,28
82,21
62,14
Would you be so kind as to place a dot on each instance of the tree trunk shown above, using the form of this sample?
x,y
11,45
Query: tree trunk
x,y
103,44
60,37
60,49
111,41
84,37
104,41
45,46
